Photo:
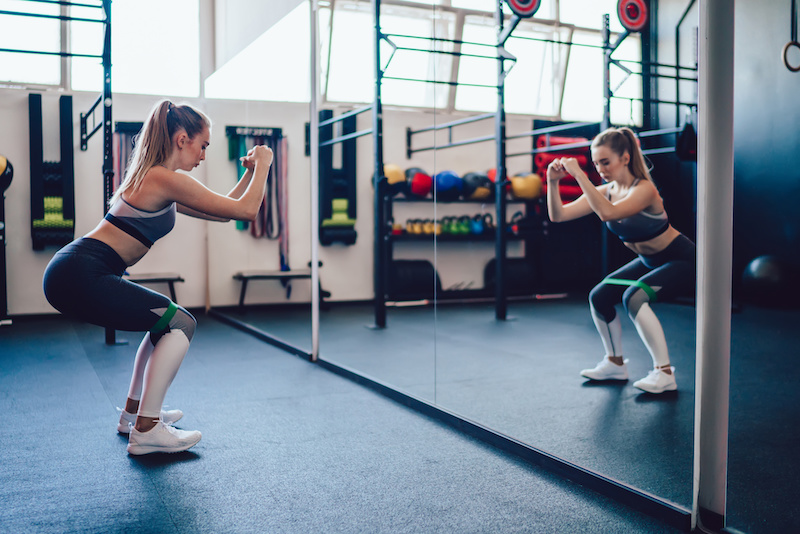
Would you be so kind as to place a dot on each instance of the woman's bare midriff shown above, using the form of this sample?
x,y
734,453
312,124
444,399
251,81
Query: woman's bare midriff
x,y
655,245
130,249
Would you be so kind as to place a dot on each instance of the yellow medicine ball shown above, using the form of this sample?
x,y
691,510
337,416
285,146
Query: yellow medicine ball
x,y
526,187
393,173
6,174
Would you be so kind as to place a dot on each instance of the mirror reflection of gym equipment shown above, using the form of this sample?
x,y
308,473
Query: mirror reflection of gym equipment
x,y
402,318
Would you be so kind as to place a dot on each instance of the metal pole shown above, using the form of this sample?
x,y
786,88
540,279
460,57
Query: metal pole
x,y
381,243
714,261
605,124
314,149
500,178
108,134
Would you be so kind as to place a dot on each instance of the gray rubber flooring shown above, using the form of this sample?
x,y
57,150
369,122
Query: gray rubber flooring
x,y
521,378
287,447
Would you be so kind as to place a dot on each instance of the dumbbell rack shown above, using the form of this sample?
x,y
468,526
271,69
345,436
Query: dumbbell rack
x,y
486,236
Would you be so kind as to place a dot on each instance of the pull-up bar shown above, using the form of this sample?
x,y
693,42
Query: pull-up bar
x,y
449,126
64,3
346,137
45,16
42,52
345,115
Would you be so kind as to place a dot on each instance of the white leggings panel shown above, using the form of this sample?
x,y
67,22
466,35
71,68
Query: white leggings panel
x,y
610,333
652,334
160,370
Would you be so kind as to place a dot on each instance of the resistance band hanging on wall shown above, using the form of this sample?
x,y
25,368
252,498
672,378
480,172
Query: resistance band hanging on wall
x,y
124,136
272,220
52,182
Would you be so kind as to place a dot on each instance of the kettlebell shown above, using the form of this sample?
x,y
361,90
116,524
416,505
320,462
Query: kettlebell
x,y
427,226
448,225
513,227
463,224
476,225
488,222
413,226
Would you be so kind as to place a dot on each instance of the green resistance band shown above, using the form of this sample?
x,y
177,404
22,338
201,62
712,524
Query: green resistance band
x,y
163,323
638,283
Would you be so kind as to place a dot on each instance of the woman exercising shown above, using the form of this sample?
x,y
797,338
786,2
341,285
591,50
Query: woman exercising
x,y
84,279
631,207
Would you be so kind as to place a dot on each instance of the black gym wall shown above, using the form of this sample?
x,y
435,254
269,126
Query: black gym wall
x,y
766,133
766,136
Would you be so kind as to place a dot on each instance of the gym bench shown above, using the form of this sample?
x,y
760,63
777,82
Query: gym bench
x,y
246,276
158,278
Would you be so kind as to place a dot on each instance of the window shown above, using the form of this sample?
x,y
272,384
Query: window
x,y
151,54
351,72
274,67
536,79
29,33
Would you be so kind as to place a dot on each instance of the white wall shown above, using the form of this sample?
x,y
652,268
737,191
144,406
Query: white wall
x,y
207,254
237,23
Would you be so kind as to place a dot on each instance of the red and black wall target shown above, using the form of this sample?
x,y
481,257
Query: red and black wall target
x,y
632,14
524,8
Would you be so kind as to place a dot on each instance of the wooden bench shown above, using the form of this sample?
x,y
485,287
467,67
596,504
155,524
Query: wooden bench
x,y
158,278
246,276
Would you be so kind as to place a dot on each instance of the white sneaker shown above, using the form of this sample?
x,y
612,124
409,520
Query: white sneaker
x,y
657,381
161,438
126,419
607,370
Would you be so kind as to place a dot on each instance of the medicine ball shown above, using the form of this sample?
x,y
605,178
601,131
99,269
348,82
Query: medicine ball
x,y
492,174
767,281
419,183
476,186
395,179
526,187
6,173
448,186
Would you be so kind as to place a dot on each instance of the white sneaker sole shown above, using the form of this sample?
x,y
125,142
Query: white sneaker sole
x,y
601,378
138,450
650,389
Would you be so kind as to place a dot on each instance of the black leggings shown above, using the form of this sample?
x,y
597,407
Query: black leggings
x,y
84,281
665,275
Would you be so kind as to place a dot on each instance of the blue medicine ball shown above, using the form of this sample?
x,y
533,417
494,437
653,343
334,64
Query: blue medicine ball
x,y
448,185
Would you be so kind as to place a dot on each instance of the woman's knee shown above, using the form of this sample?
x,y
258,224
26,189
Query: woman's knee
x,y
185,321
179,319
633,299
603,301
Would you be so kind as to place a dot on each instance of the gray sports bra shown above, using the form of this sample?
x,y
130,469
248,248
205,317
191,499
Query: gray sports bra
x,y
639,227
146,226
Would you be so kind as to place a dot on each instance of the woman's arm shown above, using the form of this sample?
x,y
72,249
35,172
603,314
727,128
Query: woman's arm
x,y
639,198
199,214
196,198
244,181
556,209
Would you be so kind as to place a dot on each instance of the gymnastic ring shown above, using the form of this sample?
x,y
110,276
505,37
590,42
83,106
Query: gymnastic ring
x,y
786,48
633,14
524,8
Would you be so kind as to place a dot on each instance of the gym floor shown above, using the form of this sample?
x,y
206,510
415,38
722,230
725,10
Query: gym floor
x,y
291,447
520,377
287,447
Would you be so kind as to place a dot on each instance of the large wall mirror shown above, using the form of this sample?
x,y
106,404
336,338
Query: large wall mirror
x,y
514,370
259,272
